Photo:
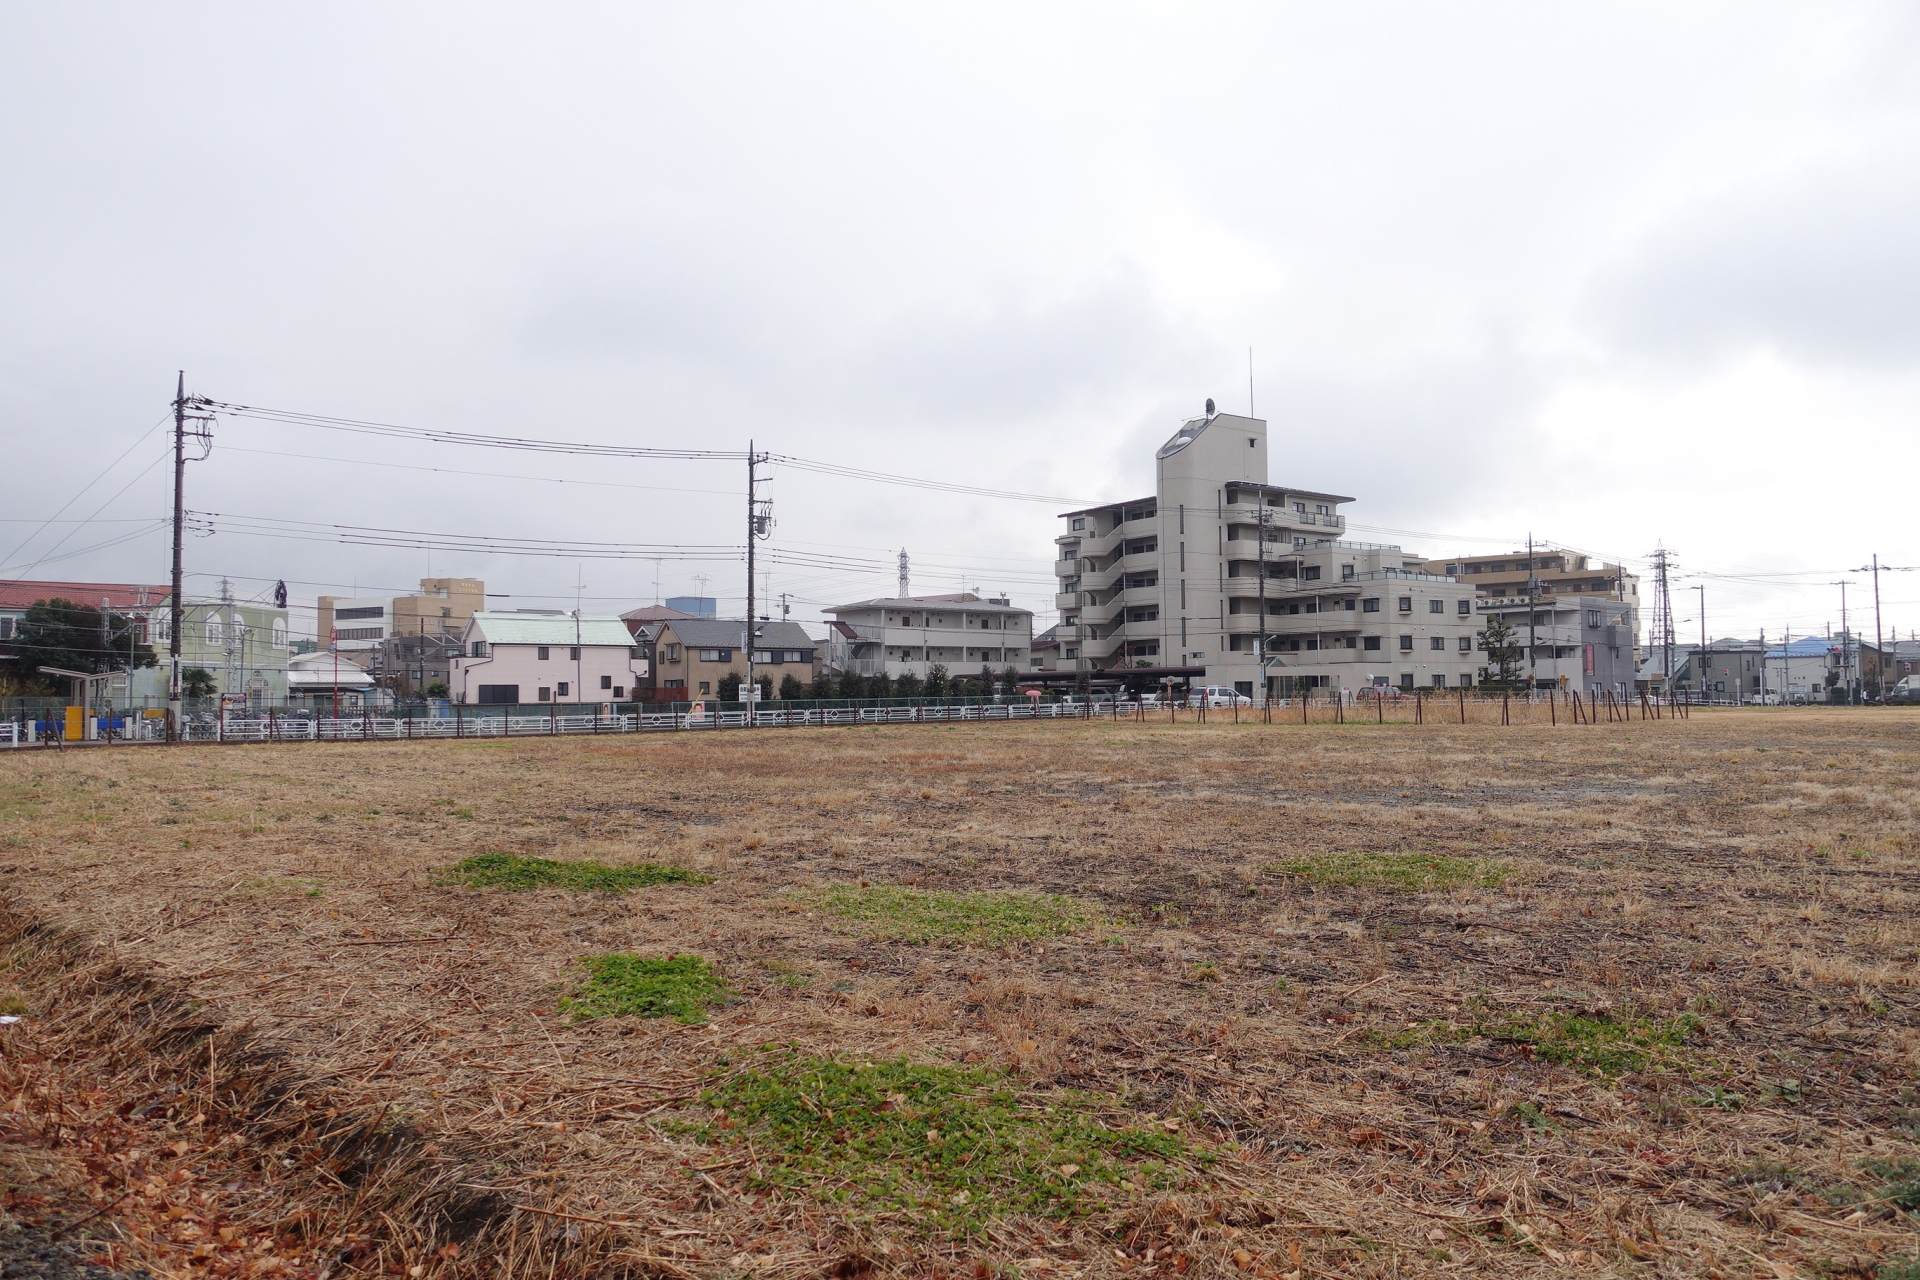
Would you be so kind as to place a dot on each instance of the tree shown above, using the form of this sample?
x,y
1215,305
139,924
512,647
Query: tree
x,y
852,685
729,686
822,686
1082,684
61,633
436,689
791,690
196,682
985,681
1504,653
1010,682
906,686
937,680
879,686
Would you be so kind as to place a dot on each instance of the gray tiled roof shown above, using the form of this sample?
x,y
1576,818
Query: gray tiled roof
x,y
723,633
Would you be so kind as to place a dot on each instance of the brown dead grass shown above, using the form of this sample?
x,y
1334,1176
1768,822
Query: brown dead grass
x,y
1754,870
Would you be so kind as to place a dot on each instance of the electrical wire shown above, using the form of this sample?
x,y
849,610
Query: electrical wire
x,y
88,485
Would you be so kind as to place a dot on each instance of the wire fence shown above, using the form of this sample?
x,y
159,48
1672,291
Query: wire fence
x,y
452,720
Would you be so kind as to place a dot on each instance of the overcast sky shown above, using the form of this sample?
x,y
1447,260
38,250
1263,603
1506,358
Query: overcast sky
x,y
1614,277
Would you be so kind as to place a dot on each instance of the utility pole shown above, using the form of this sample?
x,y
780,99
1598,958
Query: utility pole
x,y
177,623
785,608
759,525
1662,615
1879,644
1846,647
1533,674
1702,589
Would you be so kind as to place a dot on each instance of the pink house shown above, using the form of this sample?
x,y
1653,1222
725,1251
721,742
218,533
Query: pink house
x,y
534,656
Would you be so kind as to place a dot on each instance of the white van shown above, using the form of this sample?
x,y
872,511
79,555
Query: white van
x,y
1217,695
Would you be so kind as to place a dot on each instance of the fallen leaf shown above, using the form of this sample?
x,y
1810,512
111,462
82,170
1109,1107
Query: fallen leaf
x,y
1068,1170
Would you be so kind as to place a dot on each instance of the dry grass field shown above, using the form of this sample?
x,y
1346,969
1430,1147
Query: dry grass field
x,y
1042,999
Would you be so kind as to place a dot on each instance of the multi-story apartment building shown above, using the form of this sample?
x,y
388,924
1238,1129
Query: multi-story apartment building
x,y
1569,642
908,635
1547,571
441,607
1251,582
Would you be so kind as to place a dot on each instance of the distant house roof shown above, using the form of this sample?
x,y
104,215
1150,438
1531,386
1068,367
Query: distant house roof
x,y
1048,639
724,633
549,628
119,595
1810,647
316,671
967,598
653,613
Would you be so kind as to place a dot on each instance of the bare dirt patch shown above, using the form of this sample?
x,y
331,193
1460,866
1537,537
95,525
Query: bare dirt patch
x,y
1391,1000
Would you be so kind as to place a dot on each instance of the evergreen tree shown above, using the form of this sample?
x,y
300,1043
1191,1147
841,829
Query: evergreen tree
x,y
71,636
822,686
907,686
1010,682
791,689
985,681
852,685
880,686
937,680
766,688
1505,654
729,687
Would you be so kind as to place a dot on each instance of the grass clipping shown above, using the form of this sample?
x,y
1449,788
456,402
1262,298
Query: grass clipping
x,y
511,871
1408,872
928,915
948,1147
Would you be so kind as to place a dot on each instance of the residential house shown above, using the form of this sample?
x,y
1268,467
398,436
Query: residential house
x,y
693,655
537,656
904,635
142,603
326,681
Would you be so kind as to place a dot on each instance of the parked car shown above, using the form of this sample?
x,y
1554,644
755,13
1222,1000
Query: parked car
x,y
1218,695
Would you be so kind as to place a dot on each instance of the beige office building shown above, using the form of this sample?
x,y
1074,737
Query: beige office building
x,y
1251,581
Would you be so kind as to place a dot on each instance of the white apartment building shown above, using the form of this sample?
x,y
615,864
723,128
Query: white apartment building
x,y
1583,643
1251,582
904,635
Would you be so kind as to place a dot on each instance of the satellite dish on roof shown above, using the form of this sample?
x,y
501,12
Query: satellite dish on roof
x,y
1209,406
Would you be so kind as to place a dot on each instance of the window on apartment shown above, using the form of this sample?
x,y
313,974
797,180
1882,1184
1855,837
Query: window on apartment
x,y
619,692
213,631
1142,546
1079,524
1370,643
1071,620
478,649
540,653
716,655
279,634
1310,573
1346,572
606,682
565,689
1370,606
1147,649
1071,652
1141,513
1466,644
546,693
674,684
573,653
1142,580
1436,606
671,653
1143,615
1463,607
706,687
1593,617
1436,643
1406,644
1406,604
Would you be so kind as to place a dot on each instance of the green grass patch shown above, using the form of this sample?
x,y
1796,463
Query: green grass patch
x,y
1407,872
511,871
948,1147
927,915
1605,1044
624,984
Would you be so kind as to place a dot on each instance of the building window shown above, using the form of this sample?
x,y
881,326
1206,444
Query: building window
x,y
1466,644
674,684
1439,682
1406,644
1370,643
540,653
1436,643
619,692
478,649
606,682
706,687
564,689
671,653
1079,524
1370,606
1346,572
213,631
279,634
573,653
1593,617
546,694
716,655
1406,604
1072,652
1311,573
1436,606
1463,607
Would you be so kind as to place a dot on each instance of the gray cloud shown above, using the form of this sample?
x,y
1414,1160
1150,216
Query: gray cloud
x,y
1823,265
